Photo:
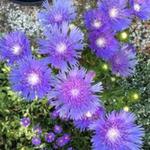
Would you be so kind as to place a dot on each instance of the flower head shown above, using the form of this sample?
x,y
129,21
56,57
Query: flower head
x,y
123,61
140,8
117,13
63,140
89,118
36,141
31,78
50,137
14,46
117,132
103,43
95,19
25,121
57,129
74,93
37,129
61,11
62,46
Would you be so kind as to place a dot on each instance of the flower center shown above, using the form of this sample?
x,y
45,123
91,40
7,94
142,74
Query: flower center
x,y
61,47
75,92
33,79
16,49
101,42
58,17
113,134
137,7
113,13
96,24
88,115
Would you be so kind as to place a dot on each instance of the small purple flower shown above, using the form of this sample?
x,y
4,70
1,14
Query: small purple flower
x,y
57,129
36,141
54,114
25,121
61,11
62,46
140,8
74,93
37,129
103,43
63,140
14,46
50,137
89,118
95,19
70,148
66,138
123,62
118,13
31,78
117,132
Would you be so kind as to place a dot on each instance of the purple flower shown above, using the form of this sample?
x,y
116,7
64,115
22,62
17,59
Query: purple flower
x,y
118,13
57,129
74,93
63,140
89,118
54,114
123,62
14,46
62,46
117,132
70,148
37,129
31,78
61,11
25,121
50,137
140,8
95,19
36,141
103,43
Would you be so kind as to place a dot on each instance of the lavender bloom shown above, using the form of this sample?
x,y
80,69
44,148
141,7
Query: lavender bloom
x,y
63,140
61,11
57,129
140,8
36,141
123,62
54,114
117,132
37,129
118,13
74,95
25,121
66,138
103,43
50,137
62,46
95,19
31,78
89,118
14,46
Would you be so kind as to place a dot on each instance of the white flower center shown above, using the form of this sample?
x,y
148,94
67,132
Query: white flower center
x,y
16,49
61,48
113,13
33,79
75,92
88,114
137,7
124,35
113,134
101,42
58,17
96,24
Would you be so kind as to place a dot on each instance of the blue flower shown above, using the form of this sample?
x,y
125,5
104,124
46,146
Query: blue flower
x,y
62,46
14,46
25,121
36,141
103,43
31,78
118,13
57,129
117,132
74,94
141,8
123,61
61,11
50,137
